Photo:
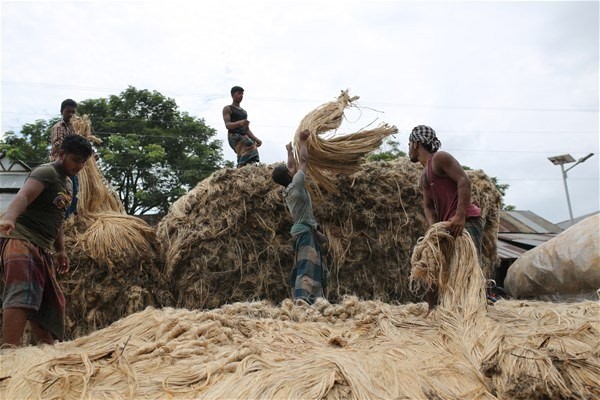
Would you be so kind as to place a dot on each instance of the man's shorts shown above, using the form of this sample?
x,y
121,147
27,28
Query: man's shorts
x,y
30,283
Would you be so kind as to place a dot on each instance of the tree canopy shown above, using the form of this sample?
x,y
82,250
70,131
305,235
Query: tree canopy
x,y
389,151
32,145
152,153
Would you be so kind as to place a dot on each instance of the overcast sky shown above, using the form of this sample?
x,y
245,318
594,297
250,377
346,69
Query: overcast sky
x,y
504,84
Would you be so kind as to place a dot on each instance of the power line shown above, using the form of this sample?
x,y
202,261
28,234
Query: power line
x,y
484,131
213,96
213,169
454,150
210,170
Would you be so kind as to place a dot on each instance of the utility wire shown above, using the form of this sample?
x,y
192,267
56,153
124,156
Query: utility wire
x,y
213,169
213,96
484,131
454,150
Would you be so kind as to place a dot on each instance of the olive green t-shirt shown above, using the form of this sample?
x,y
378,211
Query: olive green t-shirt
x,y
42,219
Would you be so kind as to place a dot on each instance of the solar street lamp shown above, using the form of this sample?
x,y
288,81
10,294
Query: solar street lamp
x,y
562,160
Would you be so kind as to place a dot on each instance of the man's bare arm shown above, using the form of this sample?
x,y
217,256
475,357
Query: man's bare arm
x,y
429,209
303,151
291,160
61,254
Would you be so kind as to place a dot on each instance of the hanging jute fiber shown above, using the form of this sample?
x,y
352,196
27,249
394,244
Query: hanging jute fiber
x,y
328,156
228,239
447,267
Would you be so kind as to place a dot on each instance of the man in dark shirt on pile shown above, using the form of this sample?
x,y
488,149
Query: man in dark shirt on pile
x,y
240,137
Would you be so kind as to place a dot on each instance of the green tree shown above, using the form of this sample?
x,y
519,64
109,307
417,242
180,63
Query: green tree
x,y
32,145
389,151
152,153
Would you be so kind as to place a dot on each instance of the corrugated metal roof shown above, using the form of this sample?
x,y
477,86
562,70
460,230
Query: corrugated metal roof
x,y
520,231
525,239
525,222
509,251
9,165
566,224
12,180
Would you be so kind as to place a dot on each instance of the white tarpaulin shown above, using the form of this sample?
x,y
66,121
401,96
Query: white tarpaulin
x,y
566,266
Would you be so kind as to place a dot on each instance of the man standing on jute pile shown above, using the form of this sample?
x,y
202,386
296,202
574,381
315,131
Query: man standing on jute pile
x,y
30,228
61,130
446,190
309,275
240,137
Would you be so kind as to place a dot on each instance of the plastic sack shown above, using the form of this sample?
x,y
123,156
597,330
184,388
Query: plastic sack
x,y
565,267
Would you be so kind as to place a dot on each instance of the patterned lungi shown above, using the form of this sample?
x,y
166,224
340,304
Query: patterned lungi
x,y
30,282
474,225
244,147
310,275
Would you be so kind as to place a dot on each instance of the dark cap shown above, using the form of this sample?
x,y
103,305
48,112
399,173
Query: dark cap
x,y
236,89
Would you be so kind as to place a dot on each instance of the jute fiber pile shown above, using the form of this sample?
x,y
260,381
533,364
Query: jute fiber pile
x,y
228,239
353,350
338,154
115,265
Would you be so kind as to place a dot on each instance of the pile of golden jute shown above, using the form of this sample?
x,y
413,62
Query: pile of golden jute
x,y
352,350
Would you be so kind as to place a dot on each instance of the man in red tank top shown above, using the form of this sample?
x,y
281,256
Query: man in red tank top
x,y
446,186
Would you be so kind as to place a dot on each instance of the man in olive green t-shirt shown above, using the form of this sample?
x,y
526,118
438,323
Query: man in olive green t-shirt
x,y
31,226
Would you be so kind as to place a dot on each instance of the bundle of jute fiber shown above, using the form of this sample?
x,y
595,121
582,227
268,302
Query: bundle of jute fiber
x,y
352,350
95,193
447,268
220,243
228,239
101,225
479,336
340,154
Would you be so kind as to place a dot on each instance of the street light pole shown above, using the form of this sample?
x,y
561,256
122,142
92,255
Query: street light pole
x,y
562,160
564,175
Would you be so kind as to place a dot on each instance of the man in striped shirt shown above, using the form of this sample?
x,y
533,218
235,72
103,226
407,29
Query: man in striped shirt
x,y
61,130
